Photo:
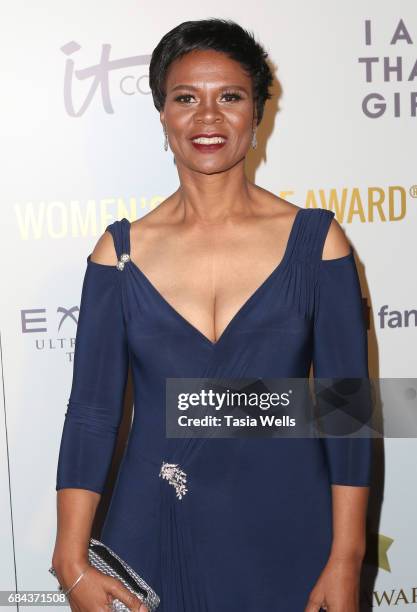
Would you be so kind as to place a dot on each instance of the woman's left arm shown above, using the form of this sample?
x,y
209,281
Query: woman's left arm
x,y
337,588
349,522
341,351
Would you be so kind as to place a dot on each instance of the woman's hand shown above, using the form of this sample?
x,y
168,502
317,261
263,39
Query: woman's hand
x,y
95,591
337,589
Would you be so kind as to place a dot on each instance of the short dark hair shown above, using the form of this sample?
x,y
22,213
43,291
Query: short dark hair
x,y
222,35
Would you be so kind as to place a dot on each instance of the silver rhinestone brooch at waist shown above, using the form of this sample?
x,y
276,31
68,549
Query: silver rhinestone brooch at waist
x,y
175,476
124,257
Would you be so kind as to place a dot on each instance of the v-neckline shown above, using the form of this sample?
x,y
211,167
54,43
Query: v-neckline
x,y
241,309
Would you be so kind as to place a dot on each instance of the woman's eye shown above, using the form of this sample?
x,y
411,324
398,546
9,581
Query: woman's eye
x,y
232,96
181,98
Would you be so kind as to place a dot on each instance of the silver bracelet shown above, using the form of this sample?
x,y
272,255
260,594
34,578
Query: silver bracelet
x,y
76,582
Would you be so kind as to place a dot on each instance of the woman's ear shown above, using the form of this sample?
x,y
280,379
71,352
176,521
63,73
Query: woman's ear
x,y
162,117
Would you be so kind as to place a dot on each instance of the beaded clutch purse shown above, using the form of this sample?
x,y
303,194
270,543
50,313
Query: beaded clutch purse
x,y
103,558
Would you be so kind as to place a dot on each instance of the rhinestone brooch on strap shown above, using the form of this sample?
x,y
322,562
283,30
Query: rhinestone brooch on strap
x,y
175,476
124,257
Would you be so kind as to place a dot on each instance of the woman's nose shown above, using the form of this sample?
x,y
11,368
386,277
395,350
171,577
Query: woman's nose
x,y
208,111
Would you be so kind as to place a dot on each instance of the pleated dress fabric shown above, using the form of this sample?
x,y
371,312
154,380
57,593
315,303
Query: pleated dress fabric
x,y
254,530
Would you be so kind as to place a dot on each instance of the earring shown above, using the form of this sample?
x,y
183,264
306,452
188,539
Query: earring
x,y
166,139
254,141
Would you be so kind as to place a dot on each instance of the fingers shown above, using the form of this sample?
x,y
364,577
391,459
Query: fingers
x,y
315,605
118,591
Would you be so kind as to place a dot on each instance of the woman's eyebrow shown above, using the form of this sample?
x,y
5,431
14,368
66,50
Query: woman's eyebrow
x,y
226,85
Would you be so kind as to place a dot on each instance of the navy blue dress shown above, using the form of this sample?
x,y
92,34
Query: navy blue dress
x,y
254,530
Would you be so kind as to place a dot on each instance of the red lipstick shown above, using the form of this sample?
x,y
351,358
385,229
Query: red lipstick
x,y
207,147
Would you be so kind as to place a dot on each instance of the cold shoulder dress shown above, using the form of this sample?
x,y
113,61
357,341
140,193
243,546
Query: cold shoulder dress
x,y
253,532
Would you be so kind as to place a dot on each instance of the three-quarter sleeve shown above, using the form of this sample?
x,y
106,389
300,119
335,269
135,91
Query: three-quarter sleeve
x,y
340,351
100,367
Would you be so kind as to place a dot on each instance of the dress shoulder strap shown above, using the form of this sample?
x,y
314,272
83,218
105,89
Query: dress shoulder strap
x,y
312,232
120,230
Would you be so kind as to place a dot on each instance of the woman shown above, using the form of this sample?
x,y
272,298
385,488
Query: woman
x,y
223,279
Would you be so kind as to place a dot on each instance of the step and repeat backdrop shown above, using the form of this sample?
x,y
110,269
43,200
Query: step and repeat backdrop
x,y
82,145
